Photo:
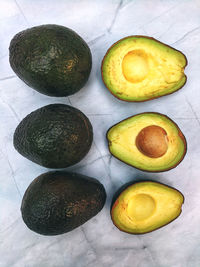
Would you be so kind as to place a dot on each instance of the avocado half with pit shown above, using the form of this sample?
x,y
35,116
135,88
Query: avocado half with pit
x,y
146,206
148,141
140,68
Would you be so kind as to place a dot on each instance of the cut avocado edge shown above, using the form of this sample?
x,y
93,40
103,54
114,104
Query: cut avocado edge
x,y
143,99
181,135
117,195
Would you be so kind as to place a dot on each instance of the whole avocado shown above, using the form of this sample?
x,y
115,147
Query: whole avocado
x,y
54,136
52,59
57,202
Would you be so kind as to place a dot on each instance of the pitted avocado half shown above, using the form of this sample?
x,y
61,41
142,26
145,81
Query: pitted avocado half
x,y
146,206
147,141
139,68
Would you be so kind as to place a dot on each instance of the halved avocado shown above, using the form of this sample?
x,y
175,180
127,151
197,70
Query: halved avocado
x,y
146,206
148,141
140,68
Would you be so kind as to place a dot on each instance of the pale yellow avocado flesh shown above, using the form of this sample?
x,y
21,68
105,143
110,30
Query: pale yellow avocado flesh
x,y
122,142
146,206
138,68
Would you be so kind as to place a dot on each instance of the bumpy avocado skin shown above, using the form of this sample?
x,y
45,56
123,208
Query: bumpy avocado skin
x,y
58,202
52,59
54,136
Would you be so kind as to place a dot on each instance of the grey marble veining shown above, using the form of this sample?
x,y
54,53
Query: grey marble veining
x,y
98,243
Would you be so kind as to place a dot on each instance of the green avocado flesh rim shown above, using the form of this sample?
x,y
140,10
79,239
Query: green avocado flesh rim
x,y
139,162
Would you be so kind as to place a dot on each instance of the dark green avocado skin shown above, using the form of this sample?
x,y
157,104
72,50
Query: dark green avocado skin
x,y
52,59
54,136
57,202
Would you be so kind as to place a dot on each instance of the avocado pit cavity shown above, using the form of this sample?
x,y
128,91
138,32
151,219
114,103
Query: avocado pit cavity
x,y
135,66
141,207
152,141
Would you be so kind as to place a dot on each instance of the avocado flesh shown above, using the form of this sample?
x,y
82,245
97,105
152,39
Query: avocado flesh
x,y
54,136
58,202
138,68
52,59
122,142
146,206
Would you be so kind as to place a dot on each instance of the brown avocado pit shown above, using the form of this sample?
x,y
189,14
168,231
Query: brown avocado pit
x,y
152,141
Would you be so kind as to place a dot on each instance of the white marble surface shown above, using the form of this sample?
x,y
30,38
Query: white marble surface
x,y
98,243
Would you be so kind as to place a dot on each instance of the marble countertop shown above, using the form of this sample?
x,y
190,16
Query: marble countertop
x,y
98,242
